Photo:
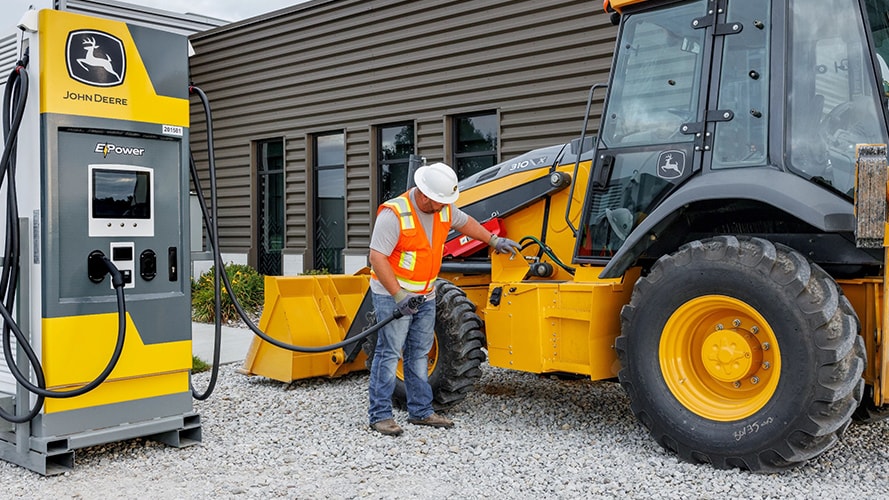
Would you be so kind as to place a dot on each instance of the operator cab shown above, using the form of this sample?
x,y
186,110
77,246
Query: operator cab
x,y
730,97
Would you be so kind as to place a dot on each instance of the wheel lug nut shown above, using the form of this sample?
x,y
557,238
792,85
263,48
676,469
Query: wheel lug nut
x,y
754,330
765,346
737,384
719,326
754,380
736,323
766,365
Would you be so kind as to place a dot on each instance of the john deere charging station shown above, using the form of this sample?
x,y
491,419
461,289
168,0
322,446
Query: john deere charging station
x,y
100,177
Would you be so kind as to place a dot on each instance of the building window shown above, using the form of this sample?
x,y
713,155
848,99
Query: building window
x,y
330,201
395,145
475,147
270,198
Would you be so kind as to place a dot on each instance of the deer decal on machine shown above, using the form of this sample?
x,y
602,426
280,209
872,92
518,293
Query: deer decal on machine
x,y
104,61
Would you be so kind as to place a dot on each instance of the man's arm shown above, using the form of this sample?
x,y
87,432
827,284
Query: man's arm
x,y
383,270
407,303
475,230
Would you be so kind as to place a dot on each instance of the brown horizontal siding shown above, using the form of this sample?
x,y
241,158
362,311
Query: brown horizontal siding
x,y
352,64
358,207
430,138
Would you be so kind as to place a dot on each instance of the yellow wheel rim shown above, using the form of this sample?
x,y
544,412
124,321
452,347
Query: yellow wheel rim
x,y
720,358
433,360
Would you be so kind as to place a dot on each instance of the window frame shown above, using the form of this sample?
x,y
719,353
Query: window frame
x,y
458,156
263,172
317,167
381,160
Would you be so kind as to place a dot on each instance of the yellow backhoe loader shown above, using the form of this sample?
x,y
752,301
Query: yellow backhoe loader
x,y
718,247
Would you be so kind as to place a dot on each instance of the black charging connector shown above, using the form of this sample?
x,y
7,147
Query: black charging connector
x,y
413,303
98,265
95,266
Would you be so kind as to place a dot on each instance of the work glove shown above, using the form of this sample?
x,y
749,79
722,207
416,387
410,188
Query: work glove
x,y
504,245
408,303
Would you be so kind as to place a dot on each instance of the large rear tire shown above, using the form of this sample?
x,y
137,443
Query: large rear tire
x,y
456,354
741,353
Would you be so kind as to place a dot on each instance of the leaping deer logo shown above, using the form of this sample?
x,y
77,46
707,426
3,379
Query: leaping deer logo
x,y
96,58
671,164
96,62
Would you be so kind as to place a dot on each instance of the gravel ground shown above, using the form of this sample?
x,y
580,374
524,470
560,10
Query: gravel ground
x,y
518,436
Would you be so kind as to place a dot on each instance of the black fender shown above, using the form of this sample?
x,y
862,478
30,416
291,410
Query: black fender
x,y
819,207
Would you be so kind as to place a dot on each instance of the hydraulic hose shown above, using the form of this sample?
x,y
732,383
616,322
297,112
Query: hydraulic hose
x,y
210,219
14,100
548,251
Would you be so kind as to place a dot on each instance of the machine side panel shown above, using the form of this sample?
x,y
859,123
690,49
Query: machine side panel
x,y
92,67
159,307
109,416
154,51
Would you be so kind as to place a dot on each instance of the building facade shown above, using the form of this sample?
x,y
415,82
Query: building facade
x,y
317,108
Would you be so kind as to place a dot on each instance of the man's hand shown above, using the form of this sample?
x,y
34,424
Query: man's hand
x,y
504,245
407,303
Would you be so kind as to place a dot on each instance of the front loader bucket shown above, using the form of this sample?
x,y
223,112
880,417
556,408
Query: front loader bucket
x,y
311,311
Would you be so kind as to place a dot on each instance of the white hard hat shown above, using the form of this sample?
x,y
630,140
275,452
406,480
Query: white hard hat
x,y
438,182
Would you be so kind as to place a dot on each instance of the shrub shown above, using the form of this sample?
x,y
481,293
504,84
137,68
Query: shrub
x,y
198,365
247,284
315,272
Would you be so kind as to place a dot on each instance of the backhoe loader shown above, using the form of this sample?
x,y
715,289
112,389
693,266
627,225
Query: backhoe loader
x,y
717,247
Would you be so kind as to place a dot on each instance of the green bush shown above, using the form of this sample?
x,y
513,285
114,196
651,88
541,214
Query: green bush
x,y
246,283
315,272
198,365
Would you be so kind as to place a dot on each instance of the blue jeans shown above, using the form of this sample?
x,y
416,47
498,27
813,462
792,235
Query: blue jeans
x,y
412,335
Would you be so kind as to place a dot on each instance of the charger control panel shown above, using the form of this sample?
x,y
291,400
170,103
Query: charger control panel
x,y
123,257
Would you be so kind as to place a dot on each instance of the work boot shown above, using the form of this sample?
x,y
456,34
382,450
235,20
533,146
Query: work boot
x,y
434,420
387,427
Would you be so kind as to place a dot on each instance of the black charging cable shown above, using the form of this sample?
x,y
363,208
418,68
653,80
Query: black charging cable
x,y
15,97
14,100
117,281
210,220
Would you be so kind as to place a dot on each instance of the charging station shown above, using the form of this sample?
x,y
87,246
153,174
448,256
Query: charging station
x,y
102,156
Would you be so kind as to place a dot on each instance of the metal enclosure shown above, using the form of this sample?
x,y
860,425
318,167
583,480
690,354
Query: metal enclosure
x,y
101,161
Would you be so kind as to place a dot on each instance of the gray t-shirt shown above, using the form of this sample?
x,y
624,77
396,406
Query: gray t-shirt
x,y
387,229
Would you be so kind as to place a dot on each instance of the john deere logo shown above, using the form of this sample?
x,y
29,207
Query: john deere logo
x,y
95,58
671,164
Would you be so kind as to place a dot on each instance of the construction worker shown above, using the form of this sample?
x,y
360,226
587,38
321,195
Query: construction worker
x,y
405,256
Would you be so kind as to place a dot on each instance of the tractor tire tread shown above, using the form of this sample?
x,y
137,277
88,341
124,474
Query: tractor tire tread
x,y
838,350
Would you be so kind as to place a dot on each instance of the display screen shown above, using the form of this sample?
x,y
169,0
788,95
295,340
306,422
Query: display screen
x,y
121,194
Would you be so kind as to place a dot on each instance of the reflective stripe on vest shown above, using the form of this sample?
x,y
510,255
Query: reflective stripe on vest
x,y
402,208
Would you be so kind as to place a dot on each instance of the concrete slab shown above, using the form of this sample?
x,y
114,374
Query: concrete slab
x,y
235,343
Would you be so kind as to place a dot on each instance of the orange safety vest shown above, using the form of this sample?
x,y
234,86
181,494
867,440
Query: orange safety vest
x,y
416,263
